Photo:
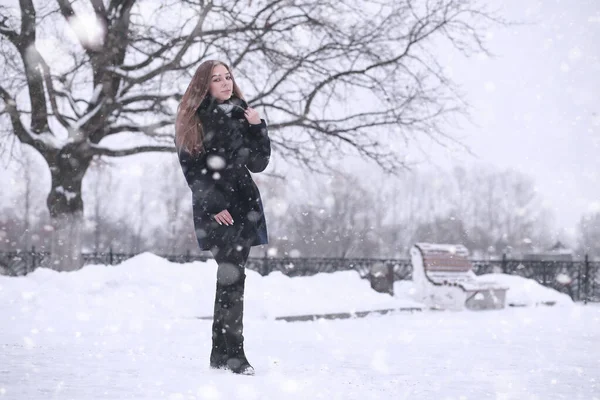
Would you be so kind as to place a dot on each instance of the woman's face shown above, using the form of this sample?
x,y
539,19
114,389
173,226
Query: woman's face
x,y
221,85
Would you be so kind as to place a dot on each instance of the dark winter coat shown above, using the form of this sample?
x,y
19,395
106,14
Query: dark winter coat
x,y
219,177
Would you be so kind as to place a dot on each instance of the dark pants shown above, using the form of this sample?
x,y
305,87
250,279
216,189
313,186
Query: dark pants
x,y
227,329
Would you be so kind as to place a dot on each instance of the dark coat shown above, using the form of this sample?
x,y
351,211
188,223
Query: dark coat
x,y
219,177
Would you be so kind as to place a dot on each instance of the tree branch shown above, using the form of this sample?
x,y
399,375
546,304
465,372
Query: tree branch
x,y
149,130
102,151
52,93
10,34
146,97
165,67
66,9
15,118
99,9
318,54
155,55
32,61
45,143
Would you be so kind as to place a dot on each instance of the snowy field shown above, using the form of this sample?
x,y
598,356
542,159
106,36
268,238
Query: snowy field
x,y
132,332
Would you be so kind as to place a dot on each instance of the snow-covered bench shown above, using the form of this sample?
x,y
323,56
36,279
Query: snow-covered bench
x,y
443,278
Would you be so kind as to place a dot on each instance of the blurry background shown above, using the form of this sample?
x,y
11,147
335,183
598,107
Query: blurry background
x,y
527,114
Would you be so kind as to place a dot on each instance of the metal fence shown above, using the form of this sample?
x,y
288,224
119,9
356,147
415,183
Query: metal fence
x,y
579,279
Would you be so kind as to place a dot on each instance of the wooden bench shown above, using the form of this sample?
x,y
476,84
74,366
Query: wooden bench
x,y
444,279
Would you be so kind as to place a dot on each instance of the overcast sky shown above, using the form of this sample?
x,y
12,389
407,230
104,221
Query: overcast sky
x,y
537,102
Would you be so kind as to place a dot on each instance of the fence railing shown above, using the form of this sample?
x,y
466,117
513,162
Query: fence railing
x,y
579,279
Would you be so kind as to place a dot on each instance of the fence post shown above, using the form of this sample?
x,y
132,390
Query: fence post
x,y
579,281
188,256
265,265
586,278
33,266
544,273
391,277
504,263
110,256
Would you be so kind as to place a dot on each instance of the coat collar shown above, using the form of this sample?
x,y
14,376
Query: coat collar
x,y
209,105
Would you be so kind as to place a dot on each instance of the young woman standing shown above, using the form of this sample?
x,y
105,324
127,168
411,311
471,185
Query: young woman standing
x,y
220,140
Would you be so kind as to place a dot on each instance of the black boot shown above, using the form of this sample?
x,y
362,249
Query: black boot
x,y
218,354
233,314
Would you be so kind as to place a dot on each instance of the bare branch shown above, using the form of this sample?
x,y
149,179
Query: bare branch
x,y
155,97
149,130
66,9
298,61
102,151
25,44
10,34
27,21
156,54
99,8
15,119
52,94
177,59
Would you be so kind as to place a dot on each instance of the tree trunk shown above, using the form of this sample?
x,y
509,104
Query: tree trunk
x,y
67,240
66,209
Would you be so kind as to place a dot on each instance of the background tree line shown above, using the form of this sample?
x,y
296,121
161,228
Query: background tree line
x,y
148,208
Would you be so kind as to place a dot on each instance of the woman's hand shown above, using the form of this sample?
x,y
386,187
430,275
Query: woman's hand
x,y
224,218
252,116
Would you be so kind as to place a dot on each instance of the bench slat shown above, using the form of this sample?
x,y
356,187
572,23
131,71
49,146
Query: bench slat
x,y
446,262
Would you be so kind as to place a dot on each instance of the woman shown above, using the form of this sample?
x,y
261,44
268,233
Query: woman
x,y
219,139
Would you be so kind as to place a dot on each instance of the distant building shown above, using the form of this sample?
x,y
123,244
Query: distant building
x,y
558,252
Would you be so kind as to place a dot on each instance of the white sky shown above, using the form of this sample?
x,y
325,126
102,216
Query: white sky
x,y
537,104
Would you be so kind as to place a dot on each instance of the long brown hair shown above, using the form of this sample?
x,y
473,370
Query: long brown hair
x,y
188,130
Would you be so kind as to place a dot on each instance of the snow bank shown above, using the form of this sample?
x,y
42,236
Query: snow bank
x,y
278,295
521,292
149,287
527,292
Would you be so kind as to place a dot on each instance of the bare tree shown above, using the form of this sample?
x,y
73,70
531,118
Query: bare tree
x,y
481,208
447,229
517,217
276,191
330,75
101,183
415,205
179,224
25,202
11,229
589,235
333,219
140,213
30,187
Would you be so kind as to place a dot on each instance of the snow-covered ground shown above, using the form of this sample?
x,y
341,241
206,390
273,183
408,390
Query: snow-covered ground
x,y
131,332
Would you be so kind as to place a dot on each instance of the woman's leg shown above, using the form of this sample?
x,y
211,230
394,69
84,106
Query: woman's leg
x,y
229,305
218,354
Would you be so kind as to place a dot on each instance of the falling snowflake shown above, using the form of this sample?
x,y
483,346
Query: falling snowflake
x,y
89,30
215,162
279,207
295,253
563,279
